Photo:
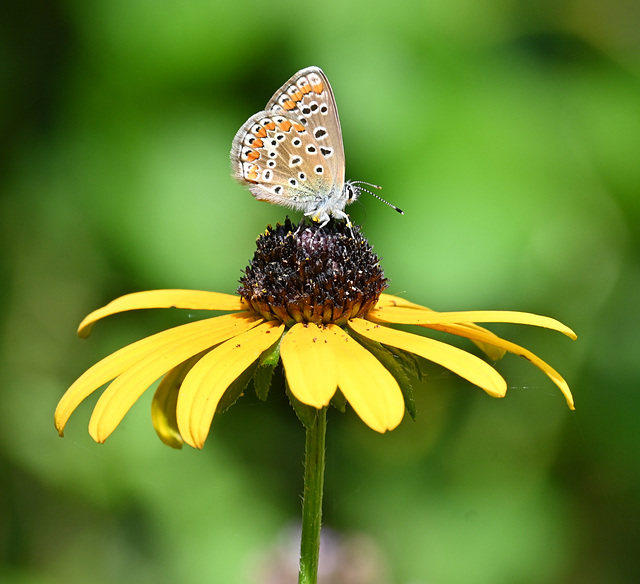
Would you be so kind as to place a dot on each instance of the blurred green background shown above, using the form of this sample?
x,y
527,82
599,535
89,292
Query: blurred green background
x,y
509,132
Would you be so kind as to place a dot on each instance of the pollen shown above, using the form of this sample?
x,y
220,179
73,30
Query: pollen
x,y
311,274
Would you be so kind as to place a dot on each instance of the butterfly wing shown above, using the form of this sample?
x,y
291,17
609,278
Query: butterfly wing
x,y
291,154
308,97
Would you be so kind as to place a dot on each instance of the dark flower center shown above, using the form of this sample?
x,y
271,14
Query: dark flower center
x,y
307,274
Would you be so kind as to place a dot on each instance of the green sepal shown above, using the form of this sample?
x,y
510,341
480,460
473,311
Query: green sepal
x,y
236,389
395,364
410,363
271,356
339,402
306,414
262,381
268,362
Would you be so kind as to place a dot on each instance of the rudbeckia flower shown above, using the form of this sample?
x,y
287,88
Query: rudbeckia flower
x,y
313,300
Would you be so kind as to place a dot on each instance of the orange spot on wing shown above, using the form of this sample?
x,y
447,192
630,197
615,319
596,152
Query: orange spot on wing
x,y
298,128
285,126
261,133
270,126
257,143
252,174
297,96
289,105
318,88
252,156
306,89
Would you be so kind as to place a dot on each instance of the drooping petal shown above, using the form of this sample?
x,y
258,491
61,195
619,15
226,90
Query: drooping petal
x,y
205,384
113,365
309,363
190,299
402,315
387,300
165,399
370,389
492,339
494,352
124,391
460,362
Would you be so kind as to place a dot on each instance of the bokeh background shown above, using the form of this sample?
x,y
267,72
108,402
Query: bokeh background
x,y
509,132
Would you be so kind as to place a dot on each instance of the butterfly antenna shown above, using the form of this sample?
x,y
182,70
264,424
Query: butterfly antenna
x,y
362,182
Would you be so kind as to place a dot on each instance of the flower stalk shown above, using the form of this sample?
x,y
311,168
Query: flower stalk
x,y
312,499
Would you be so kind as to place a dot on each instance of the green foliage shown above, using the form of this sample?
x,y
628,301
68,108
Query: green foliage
x,y
508,133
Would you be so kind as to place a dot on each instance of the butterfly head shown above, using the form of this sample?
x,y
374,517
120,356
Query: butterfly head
x,y
351,192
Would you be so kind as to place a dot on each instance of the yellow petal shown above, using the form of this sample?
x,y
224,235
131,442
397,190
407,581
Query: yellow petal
x,y
163,405
190,299
402,315
113,365
491,339
205,384
460,362
311,368
371,390
493,352
387,300
123,392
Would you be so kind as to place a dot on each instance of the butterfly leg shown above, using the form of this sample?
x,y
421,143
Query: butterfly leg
x,y
343,215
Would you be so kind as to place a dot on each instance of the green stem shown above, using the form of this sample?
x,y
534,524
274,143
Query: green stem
x,y
312,501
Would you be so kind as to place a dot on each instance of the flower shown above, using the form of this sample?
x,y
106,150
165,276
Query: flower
x,y
312,299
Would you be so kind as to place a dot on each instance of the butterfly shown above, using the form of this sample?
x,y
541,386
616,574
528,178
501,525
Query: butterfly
x,y
291,154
